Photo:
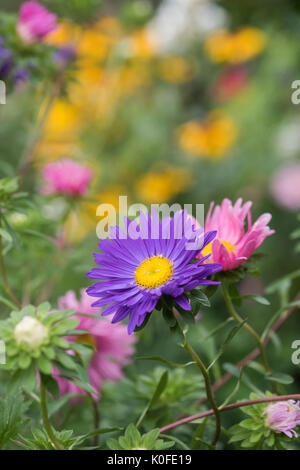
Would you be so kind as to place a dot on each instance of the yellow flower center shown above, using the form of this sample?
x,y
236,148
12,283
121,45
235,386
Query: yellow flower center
x,y
207,250
154,272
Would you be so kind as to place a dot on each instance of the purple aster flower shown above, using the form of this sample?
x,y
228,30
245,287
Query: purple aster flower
x,y
21,76
5,61
64,56
283,416
148,260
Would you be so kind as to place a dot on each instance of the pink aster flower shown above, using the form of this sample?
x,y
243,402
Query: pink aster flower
x,y
35,22
285,186
66,177
283,416
233,244
112,343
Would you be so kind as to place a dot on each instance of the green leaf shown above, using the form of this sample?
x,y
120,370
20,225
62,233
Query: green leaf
x,y
228,340
234,391
164,361
7,302
97,432
282,282
235,371
50,384
66,360
55,406
64,327
24,361
149,439
257,298
43,308
218,328
235,295
276,315
113,444
169,317
44,365
12,417
202,298
280,378
4,234
157,393
34,233
132,434
196,441
8,185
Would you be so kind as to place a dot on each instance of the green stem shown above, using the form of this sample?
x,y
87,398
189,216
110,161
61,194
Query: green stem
x,y
46,422
209,393
96,417
246,325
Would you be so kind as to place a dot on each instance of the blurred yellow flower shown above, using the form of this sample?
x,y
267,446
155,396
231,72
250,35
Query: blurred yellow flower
x,y
79,224
94,46
109,25
83,221
223,46
157,187
142,44
211,139
49,150
175,69
63,121
67,33
111,194
132,76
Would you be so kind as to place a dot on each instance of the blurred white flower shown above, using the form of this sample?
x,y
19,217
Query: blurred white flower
x,y
31,332
287,143
178,22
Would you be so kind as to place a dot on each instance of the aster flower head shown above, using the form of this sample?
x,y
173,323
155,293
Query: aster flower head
x,y
267,426
283,416
33,339
112,345
66,177
35,22
146,261
233,244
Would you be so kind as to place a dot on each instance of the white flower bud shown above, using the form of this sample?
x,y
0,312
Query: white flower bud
x,y
30,331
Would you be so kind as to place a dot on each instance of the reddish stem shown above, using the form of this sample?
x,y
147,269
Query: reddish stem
x,y
232,406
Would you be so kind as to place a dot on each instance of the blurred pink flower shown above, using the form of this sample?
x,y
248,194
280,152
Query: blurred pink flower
x,y
285,186
230,83
35,22
112,343
66,177
233,245
283,416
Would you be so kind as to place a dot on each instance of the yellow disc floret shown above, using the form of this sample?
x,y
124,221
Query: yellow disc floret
x,y
154,272
207,250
